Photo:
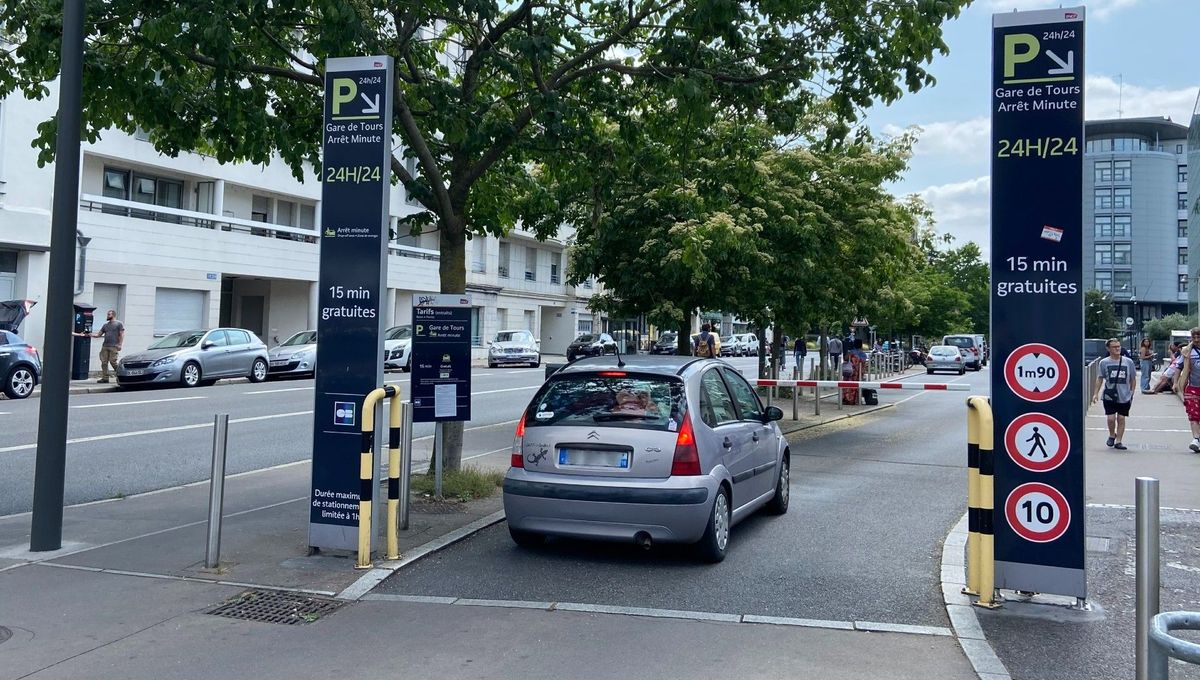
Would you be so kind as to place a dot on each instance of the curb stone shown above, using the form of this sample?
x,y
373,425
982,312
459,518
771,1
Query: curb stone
x,y
966,626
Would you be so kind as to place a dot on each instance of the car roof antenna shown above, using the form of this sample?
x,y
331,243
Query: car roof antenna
x,y
617,351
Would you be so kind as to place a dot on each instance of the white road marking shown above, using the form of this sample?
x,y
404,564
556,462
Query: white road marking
x,y
159,430
284,389
1135,429
1184,567
133,403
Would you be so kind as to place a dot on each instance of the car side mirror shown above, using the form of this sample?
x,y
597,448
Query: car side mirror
x,y
207,344
772,414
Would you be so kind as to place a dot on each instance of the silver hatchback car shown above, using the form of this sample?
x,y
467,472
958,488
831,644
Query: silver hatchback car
x,y
652,448
192,358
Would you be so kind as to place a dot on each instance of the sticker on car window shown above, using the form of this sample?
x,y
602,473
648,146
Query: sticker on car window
x,y
543,406
671,426
544,415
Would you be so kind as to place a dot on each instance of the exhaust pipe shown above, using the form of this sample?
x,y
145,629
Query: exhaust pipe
x,y
642,539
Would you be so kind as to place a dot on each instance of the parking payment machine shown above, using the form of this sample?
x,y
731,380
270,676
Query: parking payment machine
x,y
81,348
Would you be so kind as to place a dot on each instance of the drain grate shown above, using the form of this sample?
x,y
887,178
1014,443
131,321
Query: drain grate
x,y
1098,544
273,606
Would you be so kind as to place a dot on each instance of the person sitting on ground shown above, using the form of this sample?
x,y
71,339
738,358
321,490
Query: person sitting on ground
x,y
1167,379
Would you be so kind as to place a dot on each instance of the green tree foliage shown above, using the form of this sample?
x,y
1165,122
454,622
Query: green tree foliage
x,y
1099,315
484,90
1160,329
947,292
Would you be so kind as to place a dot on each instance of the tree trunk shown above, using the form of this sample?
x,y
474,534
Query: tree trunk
x,y
762,350
452,269
683,343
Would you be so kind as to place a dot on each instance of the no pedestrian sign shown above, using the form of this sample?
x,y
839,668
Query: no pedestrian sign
x,y
1036,372
1037,442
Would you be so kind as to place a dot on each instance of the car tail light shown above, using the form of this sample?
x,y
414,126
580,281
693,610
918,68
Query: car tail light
x,y
958,359
32,350
687,457
611,374
517,459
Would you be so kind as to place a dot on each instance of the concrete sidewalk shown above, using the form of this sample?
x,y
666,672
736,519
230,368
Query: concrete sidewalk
x,y
128,596
1041,637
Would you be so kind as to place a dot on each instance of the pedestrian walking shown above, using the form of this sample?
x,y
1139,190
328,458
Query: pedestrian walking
x,y
705,345
1146,357
856,361
1187,380
800,354
835,353
113,332
1115,383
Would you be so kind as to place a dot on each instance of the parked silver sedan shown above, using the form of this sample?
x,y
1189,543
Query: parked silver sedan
x,y
199,357
296,356
652,448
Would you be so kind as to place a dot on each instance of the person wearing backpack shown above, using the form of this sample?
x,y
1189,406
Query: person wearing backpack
x,y
706,347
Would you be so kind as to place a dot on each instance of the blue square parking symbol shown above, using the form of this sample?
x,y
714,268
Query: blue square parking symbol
x,y
343,413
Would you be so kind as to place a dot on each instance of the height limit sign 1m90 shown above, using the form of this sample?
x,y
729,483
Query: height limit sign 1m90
x,y
356,153
1037,299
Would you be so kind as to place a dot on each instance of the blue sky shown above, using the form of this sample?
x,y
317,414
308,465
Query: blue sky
x,y
1153,46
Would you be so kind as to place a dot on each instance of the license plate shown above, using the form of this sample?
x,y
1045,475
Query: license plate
x,y
135,371
279,363
591,458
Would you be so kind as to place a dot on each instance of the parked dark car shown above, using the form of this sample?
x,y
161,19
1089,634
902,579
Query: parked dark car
x,y
668,343
1094,348
20,366
591,345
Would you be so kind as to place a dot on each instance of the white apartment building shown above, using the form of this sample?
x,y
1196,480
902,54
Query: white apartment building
x,y
186,242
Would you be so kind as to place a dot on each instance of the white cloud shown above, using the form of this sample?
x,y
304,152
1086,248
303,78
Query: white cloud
x,y
1105,99
1100,9
962,210
950,138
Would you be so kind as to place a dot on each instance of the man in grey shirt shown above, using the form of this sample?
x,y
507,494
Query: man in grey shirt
x,y
835,356
113,332
1115,383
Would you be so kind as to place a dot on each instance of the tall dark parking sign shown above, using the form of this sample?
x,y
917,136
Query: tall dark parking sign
x,y
441,358
1038,389
355,184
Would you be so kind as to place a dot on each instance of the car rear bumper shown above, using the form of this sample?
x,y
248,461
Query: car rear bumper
x,y
673,510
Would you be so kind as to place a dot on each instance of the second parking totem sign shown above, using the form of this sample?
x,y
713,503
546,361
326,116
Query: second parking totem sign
x,y
1038,388
356,154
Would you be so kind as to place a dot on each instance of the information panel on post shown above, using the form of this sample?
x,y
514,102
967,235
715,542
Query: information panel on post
x,y
441,358
356,154
1038,388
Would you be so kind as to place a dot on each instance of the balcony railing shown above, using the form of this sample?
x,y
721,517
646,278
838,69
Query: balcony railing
x,y
201,220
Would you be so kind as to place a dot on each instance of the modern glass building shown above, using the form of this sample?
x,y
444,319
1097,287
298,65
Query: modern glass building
x,y
1135,214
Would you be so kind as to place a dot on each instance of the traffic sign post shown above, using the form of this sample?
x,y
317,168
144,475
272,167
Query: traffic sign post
x,y
1037,299
356,154
441,366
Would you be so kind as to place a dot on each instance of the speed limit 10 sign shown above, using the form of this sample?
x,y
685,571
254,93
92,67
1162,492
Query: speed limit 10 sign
x,y
1037,512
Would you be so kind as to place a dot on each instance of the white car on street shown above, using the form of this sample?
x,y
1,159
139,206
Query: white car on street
x,y
397,348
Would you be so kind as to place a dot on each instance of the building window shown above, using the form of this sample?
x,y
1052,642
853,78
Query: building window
x,y
1104,281
1122,253
1182,257
1182,232
1122,171
585,325
555,259
1104,171
177,309
1182,174
531,264
478,255
259,208
1123,282
502,269
1103,226
1183,283
1104,254
476,326
1123,226
1182,201
1104,199
501,318
1122,199
1179,148
588,283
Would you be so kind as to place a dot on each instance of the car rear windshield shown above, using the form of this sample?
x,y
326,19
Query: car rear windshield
x,y
586,338
944,350
1095,348
960,341
609,399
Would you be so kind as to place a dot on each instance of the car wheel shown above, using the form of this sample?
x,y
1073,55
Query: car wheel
x,y
526,539
962,371
491,365
190,377
716,537
778,505
407,363
538,363
19,383
929,371
258,371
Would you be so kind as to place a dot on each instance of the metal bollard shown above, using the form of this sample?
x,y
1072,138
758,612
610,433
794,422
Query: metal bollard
x,y
216,491
437,460
393,497
406,437
973,554
817,400
987,471
795,402
366,477
1147,575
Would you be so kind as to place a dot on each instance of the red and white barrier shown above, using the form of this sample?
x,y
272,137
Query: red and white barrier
x,y
955,387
